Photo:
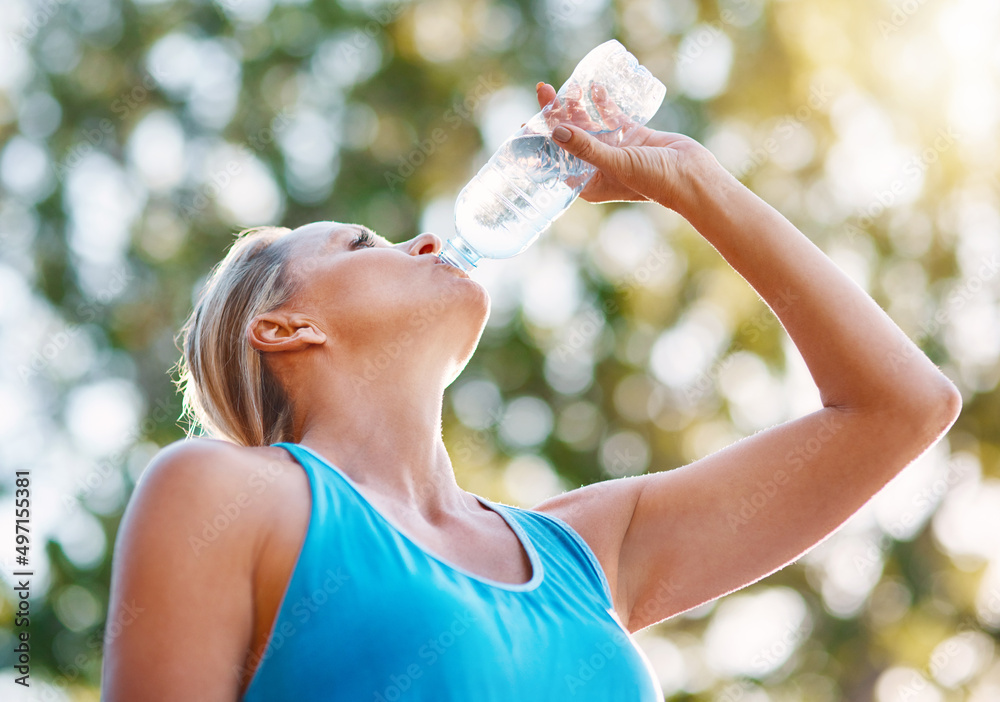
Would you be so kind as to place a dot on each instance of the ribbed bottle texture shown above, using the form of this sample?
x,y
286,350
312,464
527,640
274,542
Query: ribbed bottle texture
x,y
531,180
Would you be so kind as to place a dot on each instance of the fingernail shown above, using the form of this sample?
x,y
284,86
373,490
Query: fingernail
x,y
538,86
561,134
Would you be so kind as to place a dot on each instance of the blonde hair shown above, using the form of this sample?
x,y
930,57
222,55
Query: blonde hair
x,y
228,390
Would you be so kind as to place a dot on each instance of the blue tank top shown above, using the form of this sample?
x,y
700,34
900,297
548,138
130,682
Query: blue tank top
x,y
370,616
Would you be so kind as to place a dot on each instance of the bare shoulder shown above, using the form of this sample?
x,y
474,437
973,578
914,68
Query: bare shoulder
x,y
600,513
184,561
215,491
208,460
202,469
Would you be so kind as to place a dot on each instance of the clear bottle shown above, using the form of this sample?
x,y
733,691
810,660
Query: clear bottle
x,y
531,180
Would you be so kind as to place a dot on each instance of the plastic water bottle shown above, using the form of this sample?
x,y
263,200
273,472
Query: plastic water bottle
x,y
531,179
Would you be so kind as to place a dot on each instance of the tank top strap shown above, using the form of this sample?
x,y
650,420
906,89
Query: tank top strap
x,y
568,557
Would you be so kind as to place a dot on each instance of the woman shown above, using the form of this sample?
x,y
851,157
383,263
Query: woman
x,y
323,549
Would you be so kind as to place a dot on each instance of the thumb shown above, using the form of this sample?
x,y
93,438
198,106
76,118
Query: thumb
x,y
581,144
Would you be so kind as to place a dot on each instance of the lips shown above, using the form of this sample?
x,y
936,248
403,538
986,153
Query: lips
x,y
459,271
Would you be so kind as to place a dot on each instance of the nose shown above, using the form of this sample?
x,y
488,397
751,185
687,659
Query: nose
x,y
425,243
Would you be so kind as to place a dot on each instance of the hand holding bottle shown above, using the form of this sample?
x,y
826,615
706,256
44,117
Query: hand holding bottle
x,y
531,179
646,165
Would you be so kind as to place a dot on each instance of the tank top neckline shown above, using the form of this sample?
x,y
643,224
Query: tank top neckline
x,y
537,570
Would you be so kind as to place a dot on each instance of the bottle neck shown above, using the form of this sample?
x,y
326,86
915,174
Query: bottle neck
x,y
458,253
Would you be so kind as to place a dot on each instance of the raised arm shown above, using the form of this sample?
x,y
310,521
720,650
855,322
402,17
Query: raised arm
x,y
689,537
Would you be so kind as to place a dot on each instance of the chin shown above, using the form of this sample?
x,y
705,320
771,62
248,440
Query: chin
x,y
476,326
475,300
487,303
484,313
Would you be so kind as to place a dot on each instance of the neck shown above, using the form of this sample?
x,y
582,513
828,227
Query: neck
x,y
386,435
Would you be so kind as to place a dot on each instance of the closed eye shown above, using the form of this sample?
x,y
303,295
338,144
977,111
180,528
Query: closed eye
x,y
365,238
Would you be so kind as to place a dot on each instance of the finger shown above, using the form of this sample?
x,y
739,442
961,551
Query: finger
x,y
546,94
579,116
556,111
572,110
579,143
611,115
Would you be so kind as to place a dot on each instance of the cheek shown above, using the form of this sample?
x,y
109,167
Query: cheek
x,y
382,294
384,291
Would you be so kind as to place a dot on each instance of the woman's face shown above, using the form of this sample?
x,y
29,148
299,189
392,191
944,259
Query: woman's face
x,y
373,296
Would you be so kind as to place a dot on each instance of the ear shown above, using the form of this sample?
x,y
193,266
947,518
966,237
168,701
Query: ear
x,y
280,331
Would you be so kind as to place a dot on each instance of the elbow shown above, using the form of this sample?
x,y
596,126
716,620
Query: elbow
x,y
938,405
923,408
951,402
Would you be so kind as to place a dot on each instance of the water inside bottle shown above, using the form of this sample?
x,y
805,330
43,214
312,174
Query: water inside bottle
x,y
528,183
